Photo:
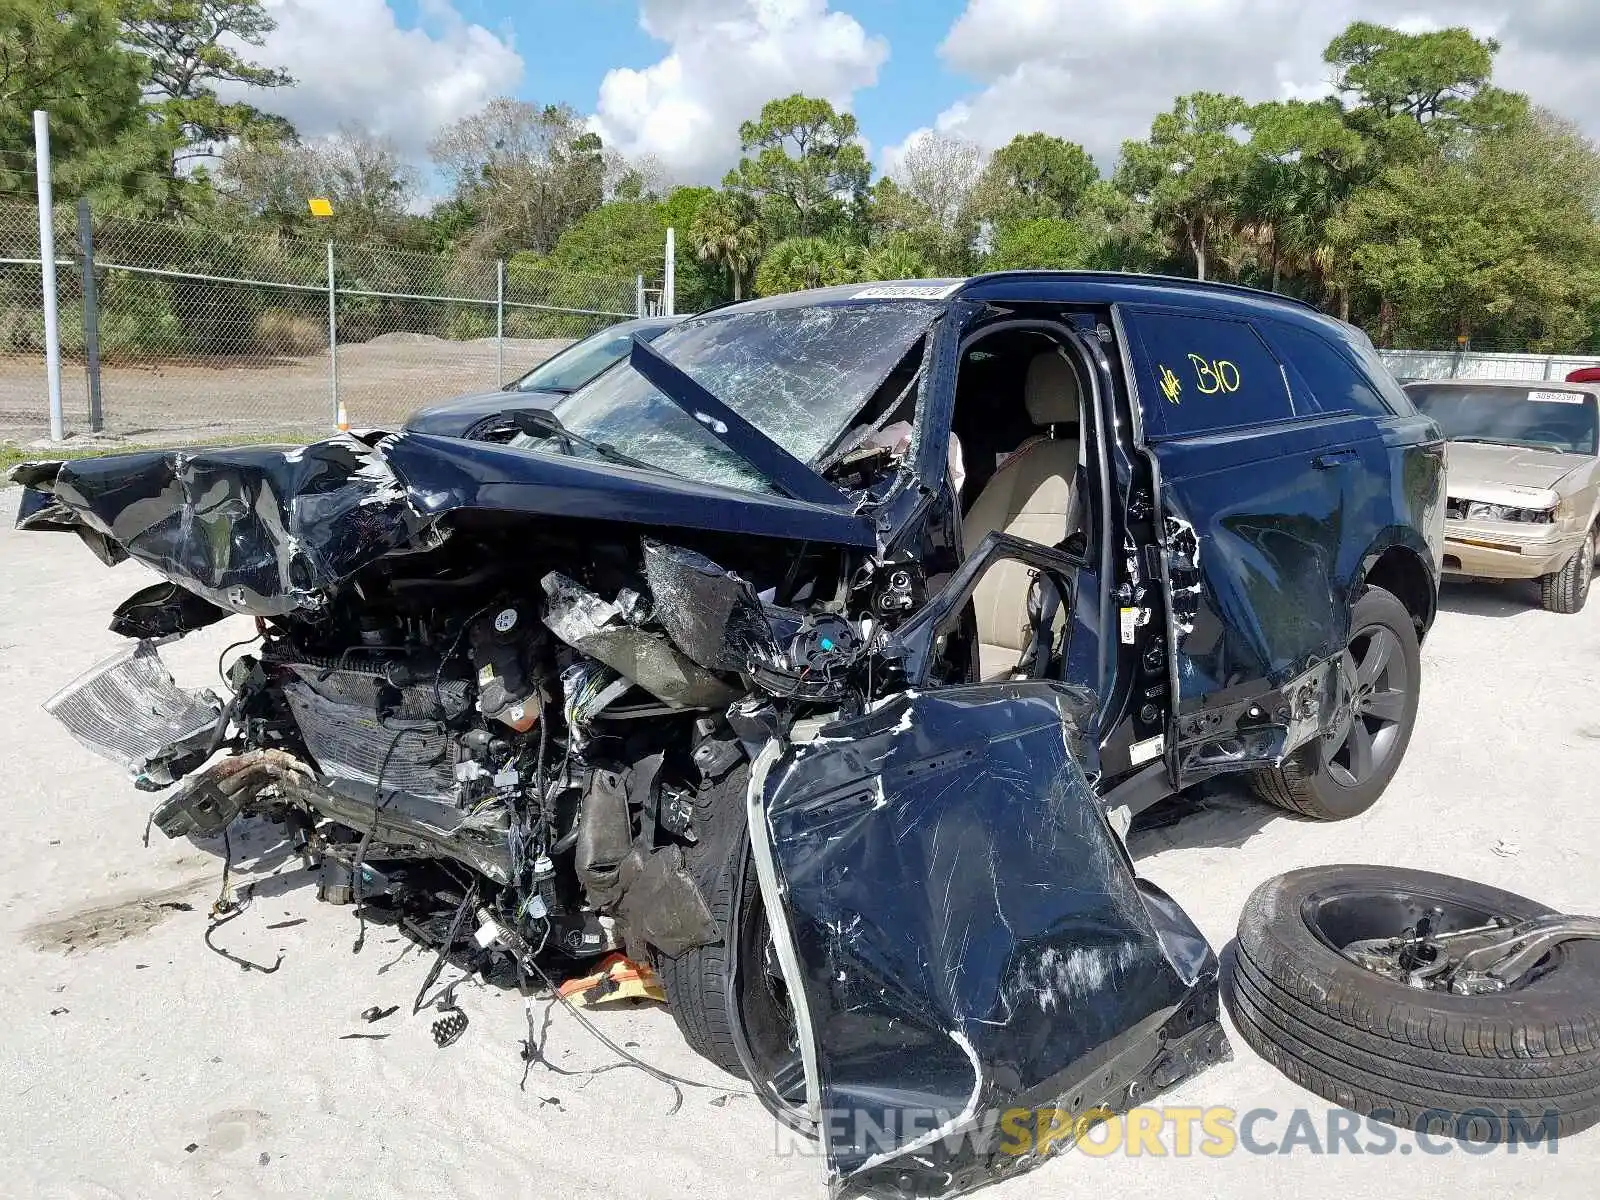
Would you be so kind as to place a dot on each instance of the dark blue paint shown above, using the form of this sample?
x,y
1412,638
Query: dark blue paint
x,y
486,476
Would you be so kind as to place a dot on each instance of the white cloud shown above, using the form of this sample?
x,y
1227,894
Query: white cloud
x,y
726,58
354,64
1047,65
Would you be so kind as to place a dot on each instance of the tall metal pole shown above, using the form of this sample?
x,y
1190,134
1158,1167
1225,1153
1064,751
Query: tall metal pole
x,y
339,419
91,315
47,270
500,323
669,288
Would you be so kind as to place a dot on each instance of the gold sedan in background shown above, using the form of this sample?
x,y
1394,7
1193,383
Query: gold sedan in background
x,y
1523,481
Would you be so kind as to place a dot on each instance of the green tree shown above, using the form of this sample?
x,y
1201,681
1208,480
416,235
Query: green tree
x,y
1035,176
808,262
896,257
1502,238
189,47
527,173
893,214
1304,161
1039,243
1190,172
726,235
621,239
1119,231
64,57
1429,76
806,159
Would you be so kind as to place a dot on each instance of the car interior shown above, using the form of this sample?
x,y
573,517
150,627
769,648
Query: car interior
x,y
1018,418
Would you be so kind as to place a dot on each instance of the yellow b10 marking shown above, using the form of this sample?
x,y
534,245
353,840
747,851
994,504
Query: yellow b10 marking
x,y
1215,376
1171,388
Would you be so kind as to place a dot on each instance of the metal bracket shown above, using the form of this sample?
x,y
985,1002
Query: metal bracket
x,y
1492,965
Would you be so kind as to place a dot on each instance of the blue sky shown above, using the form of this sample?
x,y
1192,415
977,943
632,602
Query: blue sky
x,y
672,79
567,48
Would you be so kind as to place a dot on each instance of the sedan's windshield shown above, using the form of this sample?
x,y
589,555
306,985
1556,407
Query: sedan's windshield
x,y
798,374
578,364
1514,415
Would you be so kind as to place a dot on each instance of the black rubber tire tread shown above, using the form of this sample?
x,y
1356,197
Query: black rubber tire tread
x,y
697,982
1296,788
1563,591
1415,1068
1335,1080
1370,1043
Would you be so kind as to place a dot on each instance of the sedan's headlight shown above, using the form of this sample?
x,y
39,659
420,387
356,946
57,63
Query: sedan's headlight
x,y
1479,510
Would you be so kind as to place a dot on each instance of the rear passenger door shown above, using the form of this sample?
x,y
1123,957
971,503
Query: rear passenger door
x,y
1259,494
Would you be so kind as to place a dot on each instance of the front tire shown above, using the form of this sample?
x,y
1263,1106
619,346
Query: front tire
x,y
1364,744
1468,1065
731,982
1565,591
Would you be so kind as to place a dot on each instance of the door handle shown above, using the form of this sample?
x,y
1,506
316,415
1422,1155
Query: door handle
x,y
1334,458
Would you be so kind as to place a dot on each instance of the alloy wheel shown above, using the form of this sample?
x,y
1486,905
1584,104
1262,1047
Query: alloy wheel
x,y
1376,685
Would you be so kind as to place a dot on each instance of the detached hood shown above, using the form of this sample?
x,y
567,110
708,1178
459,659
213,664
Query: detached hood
x,y
266,530
1479,471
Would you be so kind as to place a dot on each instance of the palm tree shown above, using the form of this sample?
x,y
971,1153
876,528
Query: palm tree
x,y
725,232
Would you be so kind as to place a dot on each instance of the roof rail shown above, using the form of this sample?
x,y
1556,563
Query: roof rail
x,y
1134,277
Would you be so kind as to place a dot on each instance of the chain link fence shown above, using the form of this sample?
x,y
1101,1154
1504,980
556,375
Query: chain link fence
x,y
176,332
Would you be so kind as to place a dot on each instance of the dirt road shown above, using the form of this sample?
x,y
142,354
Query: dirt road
x,y
380,382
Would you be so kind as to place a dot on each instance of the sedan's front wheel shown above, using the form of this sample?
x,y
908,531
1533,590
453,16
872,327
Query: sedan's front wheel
x,y
1363,743
1564,591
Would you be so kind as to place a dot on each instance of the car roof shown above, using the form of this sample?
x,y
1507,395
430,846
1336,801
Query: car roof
x,y
1067,287
1540,385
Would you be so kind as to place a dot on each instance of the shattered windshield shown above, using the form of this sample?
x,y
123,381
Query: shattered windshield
x,y
798,374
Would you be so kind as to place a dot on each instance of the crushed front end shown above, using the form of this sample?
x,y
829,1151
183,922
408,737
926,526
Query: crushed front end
x,y
482,682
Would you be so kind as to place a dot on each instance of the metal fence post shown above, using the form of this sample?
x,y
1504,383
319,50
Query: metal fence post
x,y
638,296
500,323
339,419
91,315
47,272
669,289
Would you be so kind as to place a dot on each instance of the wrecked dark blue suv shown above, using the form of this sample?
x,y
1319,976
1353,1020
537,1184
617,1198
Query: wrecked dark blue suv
x,y
815,657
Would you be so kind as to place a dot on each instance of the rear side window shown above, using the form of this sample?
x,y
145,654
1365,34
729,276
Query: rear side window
x,y
1199,374
1337,384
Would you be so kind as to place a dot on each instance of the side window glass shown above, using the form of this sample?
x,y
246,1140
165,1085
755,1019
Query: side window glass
x,y
1199,374
1337,384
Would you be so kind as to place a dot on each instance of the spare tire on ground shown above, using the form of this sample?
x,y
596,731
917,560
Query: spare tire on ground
x,y
1390,1039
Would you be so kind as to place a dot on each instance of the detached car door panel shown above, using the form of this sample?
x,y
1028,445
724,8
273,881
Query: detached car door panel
x,y
967,937
1261,496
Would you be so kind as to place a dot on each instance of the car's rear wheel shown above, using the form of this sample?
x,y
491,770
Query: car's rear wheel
x,y
1361,748
1565,591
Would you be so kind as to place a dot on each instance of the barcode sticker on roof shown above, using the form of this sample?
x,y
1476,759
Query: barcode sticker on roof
x,y
1556,397
906,291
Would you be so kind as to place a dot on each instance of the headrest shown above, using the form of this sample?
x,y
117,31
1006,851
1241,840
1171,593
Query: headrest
x,y
1052,390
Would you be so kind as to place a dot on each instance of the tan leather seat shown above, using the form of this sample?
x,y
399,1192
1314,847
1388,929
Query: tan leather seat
x,y
1031,496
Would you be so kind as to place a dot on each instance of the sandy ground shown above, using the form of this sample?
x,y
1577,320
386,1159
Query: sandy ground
x,y
135,1062
380,382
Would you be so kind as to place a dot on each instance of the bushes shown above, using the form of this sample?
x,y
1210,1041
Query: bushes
x,y
283,331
